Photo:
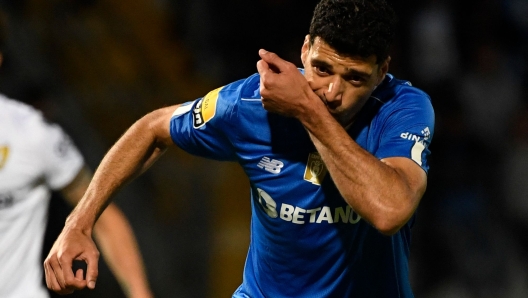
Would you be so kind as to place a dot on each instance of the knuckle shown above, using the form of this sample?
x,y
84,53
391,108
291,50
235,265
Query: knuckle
x,y
268,82
68,281
49,259
264,93
61,257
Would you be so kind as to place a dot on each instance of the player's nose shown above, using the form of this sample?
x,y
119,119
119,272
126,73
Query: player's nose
x,y
333,92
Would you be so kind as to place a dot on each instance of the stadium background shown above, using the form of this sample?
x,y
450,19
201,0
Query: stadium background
x,y
96,66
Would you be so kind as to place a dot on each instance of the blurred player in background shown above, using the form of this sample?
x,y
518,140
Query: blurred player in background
x,y
37,157
336,154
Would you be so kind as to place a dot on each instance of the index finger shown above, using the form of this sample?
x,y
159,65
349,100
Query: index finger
x,y
65,263
276,63
55,276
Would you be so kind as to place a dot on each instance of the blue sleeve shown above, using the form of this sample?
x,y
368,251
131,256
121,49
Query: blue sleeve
x,y
204,127
408,129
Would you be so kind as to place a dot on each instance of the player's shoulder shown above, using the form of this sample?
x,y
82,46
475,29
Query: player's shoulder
x,y
247,88
395,93
19,113
222,102
229,99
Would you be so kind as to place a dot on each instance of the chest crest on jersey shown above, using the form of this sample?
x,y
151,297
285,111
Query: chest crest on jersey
x,y
315,170
4,153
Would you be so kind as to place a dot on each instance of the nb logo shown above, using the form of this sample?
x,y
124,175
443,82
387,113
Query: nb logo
x,y
273,166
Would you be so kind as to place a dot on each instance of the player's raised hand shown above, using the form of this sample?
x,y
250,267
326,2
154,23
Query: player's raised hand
x,y
283,88
72,244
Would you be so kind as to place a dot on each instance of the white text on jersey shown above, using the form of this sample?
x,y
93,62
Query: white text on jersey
x,y
298,215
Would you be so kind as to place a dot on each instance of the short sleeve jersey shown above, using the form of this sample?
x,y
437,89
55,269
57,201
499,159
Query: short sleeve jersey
x,y
306,241
35,156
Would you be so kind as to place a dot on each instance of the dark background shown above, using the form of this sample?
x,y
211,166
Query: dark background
x,y
96,66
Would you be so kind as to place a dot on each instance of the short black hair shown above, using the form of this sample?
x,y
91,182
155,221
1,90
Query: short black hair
x,y
355,27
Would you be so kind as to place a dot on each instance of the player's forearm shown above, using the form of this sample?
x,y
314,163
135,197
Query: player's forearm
x,y
119,248
135,151
373,189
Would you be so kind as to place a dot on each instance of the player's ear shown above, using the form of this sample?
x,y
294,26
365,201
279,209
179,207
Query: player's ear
x,y
305,49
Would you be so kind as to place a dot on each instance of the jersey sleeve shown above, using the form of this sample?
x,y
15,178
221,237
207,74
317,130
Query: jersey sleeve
x,y
204,127
408,130
62,160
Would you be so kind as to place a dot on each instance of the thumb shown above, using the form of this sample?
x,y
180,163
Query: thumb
x,y
92,272
276,63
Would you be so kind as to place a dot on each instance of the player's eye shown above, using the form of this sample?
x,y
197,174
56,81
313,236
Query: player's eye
x,y
321,70
356,79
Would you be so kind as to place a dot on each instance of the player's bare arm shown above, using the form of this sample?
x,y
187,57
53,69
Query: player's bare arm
x,y
385,193
140,146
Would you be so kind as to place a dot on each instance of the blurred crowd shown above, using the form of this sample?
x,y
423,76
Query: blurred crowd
x,y
97,66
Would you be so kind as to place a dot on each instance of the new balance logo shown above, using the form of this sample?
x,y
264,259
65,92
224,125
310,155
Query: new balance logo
x,y
273,166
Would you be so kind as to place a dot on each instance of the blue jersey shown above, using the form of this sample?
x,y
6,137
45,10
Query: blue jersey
x,y
306,241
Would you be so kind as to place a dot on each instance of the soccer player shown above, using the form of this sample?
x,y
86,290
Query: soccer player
x,y
336,154
35,158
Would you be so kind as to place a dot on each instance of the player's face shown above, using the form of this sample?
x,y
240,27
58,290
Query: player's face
x,y
343,83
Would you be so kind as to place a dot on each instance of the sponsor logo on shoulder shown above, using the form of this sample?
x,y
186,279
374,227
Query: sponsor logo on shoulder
x,y
426,134
271,165
419,143
315,170
205,109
